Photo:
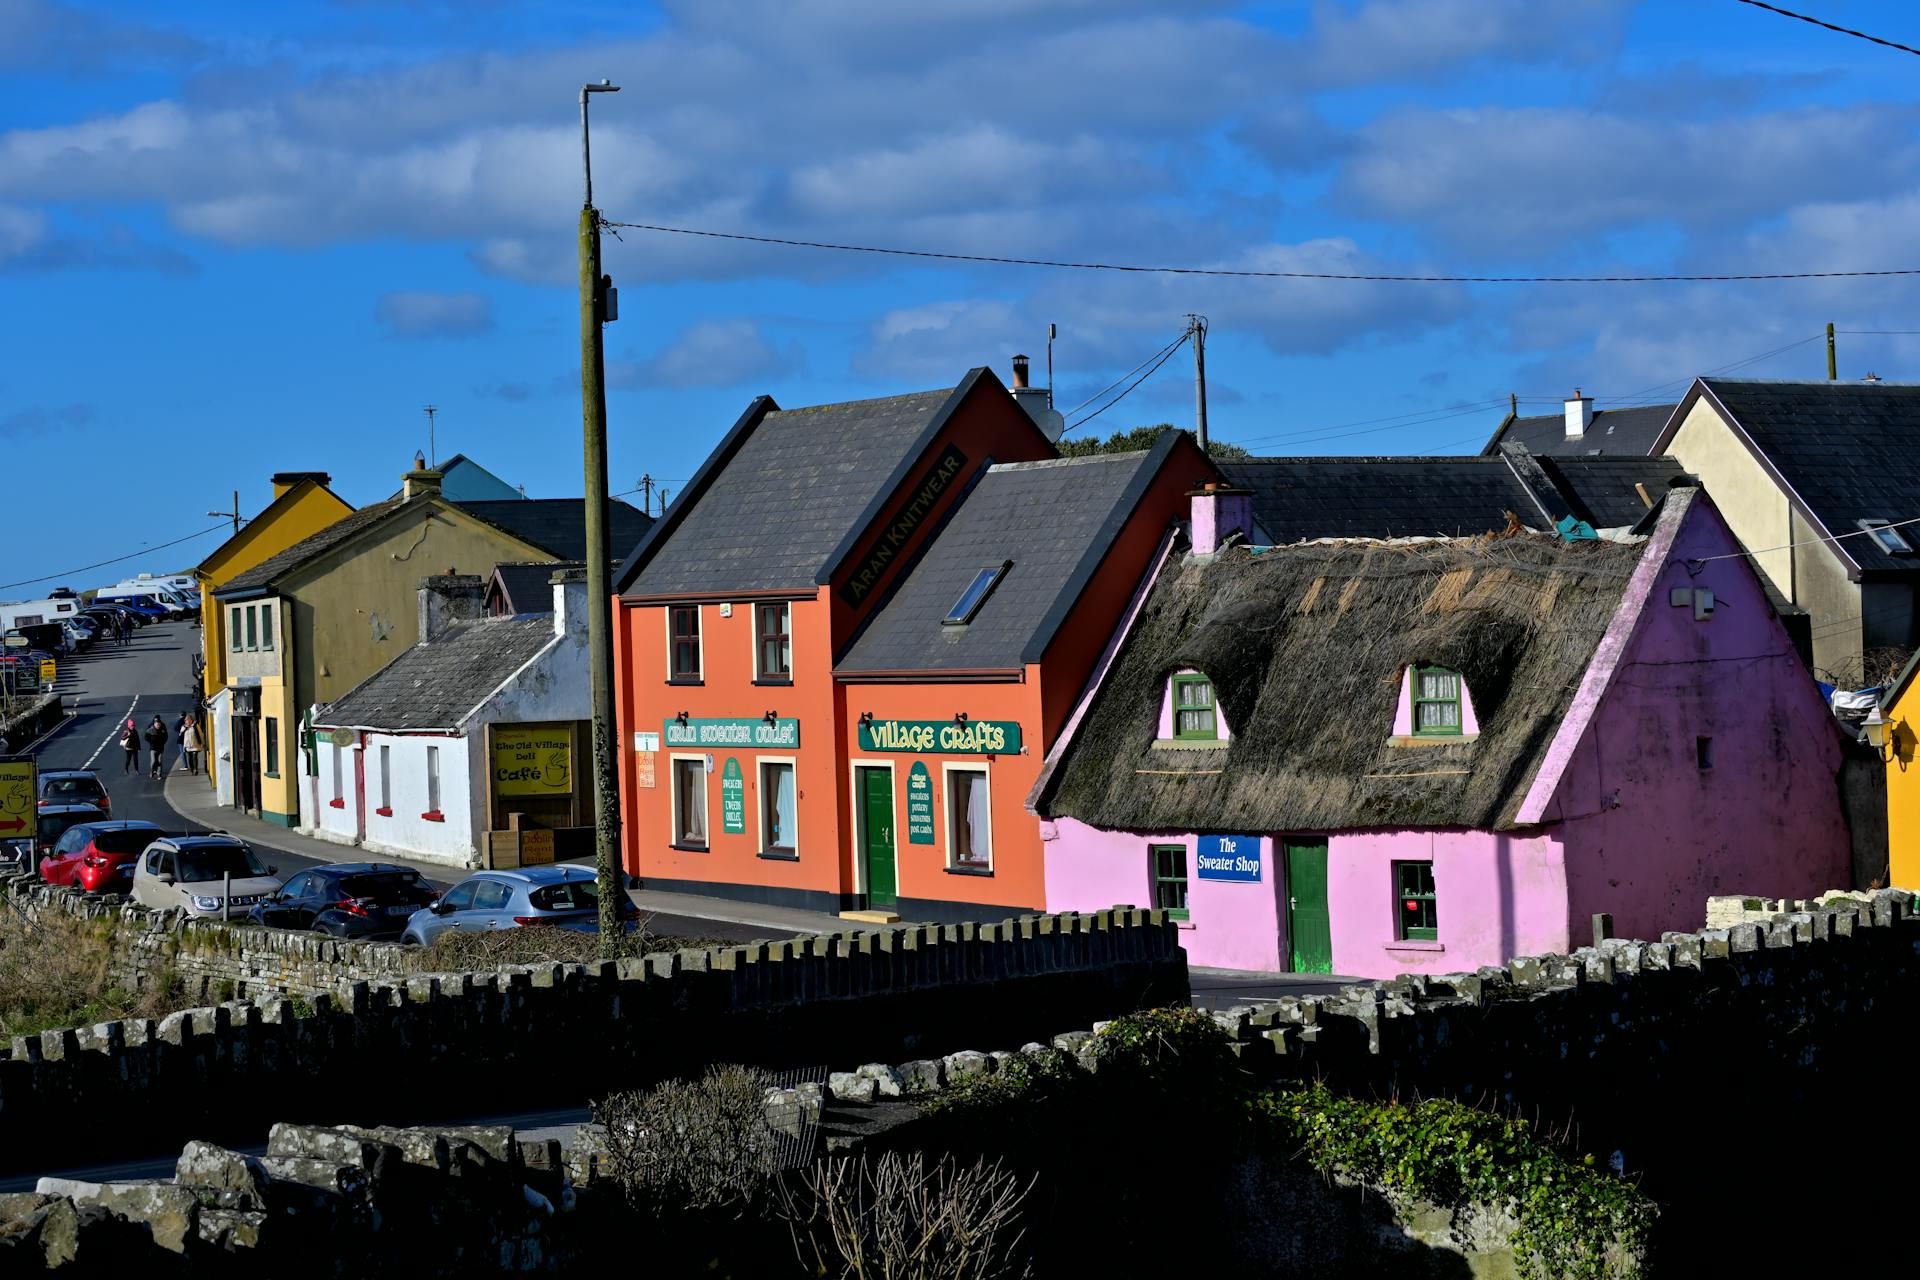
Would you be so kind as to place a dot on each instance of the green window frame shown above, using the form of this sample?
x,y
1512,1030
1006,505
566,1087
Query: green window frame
x,y
233,628
273,748
1416,907
1194,716
1436,702
253,635
1168,863
266,627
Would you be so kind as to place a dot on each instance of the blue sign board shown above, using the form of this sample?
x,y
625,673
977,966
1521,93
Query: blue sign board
x,y
1230,858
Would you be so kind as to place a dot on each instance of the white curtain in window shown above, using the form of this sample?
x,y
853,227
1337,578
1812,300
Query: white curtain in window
x,y
693,806
976,816
783,807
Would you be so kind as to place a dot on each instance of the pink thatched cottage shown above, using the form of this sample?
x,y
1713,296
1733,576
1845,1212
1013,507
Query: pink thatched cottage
x,y
1425,755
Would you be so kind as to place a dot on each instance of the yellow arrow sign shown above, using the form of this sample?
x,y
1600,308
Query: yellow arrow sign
x,y
18,813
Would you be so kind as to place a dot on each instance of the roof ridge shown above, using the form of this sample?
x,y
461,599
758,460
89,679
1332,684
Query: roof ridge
x,y
844,404
1131,455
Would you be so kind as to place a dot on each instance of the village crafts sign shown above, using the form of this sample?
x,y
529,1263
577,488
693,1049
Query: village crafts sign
x,y
744,731
893,539
943,737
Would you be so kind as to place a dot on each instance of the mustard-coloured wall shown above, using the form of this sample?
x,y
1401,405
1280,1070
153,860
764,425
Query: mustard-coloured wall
x,y
303,510
1903,789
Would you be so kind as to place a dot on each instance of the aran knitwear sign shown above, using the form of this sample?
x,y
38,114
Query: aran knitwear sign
x,y
892,540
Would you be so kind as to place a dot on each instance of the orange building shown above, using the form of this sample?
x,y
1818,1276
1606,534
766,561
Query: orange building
x,y
752,619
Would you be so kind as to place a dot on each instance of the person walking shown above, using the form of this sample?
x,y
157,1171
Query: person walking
x,y
130,743
190,743
157,742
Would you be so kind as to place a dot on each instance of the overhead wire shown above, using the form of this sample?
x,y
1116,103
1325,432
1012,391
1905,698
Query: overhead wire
x,y
131,555
1807,542
1165,356
1818,22
1170,347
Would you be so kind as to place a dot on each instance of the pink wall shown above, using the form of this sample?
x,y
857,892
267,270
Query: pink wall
x,y
1403,713
1649,834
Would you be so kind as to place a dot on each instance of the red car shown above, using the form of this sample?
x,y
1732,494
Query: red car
x,y
98,857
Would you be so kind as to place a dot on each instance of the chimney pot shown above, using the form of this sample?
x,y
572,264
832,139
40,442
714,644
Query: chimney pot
x,y
1579,414
1020,373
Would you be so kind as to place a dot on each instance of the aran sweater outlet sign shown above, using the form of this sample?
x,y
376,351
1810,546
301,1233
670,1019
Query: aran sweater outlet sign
x,y
744,731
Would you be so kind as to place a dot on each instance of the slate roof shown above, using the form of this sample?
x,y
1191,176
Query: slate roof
x,y
1301,499
435,685
776,509
528,584
1850,450
1612,432
1053,520
555,525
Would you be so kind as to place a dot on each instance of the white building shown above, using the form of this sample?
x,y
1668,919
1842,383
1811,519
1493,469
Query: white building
x,y
481,721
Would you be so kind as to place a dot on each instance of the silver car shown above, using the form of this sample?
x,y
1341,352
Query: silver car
x,y
191,874
559,894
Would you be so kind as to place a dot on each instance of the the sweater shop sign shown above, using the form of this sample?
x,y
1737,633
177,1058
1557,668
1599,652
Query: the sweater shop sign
x,y
1229,858
742,731
891,542
942,737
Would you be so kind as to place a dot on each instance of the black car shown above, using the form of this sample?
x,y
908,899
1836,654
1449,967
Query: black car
x,y
54,819
347,900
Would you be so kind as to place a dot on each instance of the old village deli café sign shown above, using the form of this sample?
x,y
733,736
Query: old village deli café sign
x,y
742,731
944,737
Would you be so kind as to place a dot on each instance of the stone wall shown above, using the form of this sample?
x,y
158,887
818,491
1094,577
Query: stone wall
x,y
410,1048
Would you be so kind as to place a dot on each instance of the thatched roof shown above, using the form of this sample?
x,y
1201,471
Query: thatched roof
x,y
1305,645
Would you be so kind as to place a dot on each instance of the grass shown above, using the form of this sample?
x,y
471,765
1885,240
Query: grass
x,y
55,973
460,952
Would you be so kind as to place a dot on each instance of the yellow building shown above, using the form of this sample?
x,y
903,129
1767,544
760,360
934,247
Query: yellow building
x,y
302,506
1895,730
306,625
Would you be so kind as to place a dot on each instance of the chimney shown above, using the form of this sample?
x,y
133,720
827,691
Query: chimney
x,y
419,482
1219,512
448,598
285,480
1036,401
570,602
1579,414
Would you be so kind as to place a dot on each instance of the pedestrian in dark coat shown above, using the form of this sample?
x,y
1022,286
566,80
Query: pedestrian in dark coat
x,y
130,743
157,742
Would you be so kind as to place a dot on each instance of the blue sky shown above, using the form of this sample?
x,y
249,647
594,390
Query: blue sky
x,y
237,238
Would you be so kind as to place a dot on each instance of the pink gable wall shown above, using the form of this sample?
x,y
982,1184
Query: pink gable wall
x,y
1649,835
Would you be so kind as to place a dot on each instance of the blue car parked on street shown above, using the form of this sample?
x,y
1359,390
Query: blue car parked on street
x,y
563,894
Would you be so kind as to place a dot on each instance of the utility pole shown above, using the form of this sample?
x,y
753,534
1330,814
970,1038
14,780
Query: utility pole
x,y
433,455
1052,332
646,493
1833,364
1197,330
594,288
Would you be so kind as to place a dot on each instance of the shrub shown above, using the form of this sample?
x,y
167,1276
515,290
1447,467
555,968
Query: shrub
x,y
459,951
899,1218
692,1146
54,972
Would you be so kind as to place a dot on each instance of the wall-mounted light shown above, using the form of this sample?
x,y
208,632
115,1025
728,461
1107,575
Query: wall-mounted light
x,y
866,717
681,718
1874,729
771,717
959,717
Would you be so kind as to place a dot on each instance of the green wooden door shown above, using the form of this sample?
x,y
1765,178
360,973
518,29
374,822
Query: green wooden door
x,y
1307,927
876,792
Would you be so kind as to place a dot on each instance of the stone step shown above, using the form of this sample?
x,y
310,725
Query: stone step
x,y
871,917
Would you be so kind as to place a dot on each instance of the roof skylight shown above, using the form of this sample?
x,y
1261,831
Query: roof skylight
x,y
1890,539
976,594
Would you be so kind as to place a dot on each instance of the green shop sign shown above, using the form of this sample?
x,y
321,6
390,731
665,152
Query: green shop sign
x,y
943,737
743,731
733,799
919,804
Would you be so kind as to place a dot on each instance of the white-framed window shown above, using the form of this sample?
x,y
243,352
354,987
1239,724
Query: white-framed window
x,y
266,627
1888,536
689,801
779,807
969,809
386,777
433,779
235,640
773,641
253,635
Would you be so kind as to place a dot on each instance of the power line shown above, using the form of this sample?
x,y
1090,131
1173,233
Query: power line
x,y
1857,533
1845,31
1165,356
131,555
1170,347
1353,277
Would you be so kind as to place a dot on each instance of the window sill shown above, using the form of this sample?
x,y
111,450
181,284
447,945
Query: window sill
x,y
270,773
433,815
1436,740
782,682
336,804
1414,944
685,680
969,871
1191,744
689,848
779,855
384,812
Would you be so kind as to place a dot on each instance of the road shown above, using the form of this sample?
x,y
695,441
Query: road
x,y
153,675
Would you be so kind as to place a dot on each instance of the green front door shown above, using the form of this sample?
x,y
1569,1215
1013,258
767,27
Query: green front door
x,y
876,797
1307,927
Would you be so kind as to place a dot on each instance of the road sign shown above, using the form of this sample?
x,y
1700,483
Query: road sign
x,y
47,671
18,813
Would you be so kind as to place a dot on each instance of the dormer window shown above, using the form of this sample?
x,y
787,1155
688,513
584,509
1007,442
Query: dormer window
x,y
976,594
1888,538
1436,703
1194,718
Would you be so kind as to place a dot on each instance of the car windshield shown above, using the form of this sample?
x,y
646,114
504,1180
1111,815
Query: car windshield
x,y
573,895
210,862
73,787
124,841
385,886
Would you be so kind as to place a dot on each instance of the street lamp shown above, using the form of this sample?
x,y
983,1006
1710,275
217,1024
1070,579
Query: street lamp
x,y
595,291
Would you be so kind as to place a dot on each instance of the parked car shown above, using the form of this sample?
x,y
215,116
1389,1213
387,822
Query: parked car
x,y
98,857
346,900
562,894
184,873
53,821
74,786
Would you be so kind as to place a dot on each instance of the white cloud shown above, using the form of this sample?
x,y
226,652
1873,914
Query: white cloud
x,y
712,353
44,36
419,314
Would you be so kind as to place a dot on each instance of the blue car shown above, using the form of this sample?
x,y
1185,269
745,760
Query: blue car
x,y
562,894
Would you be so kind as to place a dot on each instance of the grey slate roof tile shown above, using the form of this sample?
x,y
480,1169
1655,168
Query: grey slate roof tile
x,y
1612,432
1043,516
785,501
432,685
